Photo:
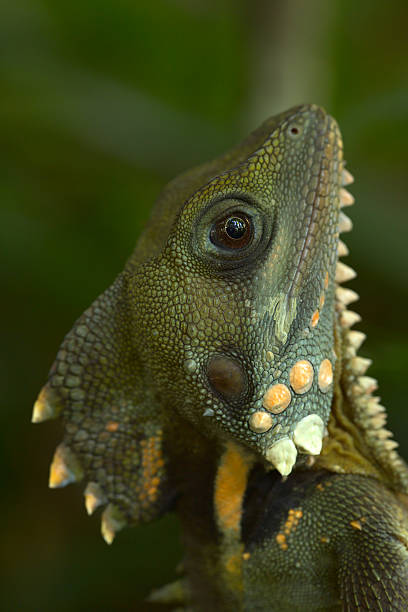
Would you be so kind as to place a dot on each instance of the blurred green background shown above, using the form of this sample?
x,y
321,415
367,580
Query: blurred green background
x,y
100,104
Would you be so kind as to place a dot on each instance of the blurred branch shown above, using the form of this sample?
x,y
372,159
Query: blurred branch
x,y
290,60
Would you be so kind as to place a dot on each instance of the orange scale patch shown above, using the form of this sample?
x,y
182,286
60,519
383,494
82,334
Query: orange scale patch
x,y
315,318
356,524
281,540
230,486
291,523
325,376
152,464
277,398
301,376
260,422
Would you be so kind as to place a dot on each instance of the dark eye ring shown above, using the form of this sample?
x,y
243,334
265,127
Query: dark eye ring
x,y
233,231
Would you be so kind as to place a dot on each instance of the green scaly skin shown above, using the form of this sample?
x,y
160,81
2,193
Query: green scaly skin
x,y
161,385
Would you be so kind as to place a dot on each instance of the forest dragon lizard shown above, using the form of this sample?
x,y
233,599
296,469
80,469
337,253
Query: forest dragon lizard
x,y
218,377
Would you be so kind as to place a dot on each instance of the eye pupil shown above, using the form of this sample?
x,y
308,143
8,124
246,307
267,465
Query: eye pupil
x,y
235,227
233,231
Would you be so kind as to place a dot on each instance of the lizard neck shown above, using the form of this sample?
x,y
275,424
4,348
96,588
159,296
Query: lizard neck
x,y
211,479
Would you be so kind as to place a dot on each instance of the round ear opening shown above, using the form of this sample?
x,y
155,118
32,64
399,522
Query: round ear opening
x,y
226,377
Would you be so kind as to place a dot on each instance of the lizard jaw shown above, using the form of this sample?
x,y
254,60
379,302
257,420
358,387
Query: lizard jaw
x,y
309,431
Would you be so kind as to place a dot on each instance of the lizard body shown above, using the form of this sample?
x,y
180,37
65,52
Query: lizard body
x,y
219,377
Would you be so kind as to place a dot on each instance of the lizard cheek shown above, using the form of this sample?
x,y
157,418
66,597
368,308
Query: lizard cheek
x,y
226,377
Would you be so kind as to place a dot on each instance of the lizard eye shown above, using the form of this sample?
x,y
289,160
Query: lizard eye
x,y
233,231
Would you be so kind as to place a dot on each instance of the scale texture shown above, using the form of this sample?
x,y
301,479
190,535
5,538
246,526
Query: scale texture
x,y
219,378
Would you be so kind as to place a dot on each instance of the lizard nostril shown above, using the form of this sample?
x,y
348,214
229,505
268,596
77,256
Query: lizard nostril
x,y
295,129
226,376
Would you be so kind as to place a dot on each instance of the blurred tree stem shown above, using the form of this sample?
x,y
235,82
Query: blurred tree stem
x,y
290,55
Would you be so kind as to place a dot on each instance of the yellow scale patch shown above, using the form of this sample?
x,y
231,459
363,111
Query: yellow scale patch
x,y
292,521
152,464
230,485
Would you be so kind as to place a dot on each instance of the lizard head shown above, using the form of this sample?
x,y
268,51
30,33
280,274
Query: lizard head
x,y
238,310
224,316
